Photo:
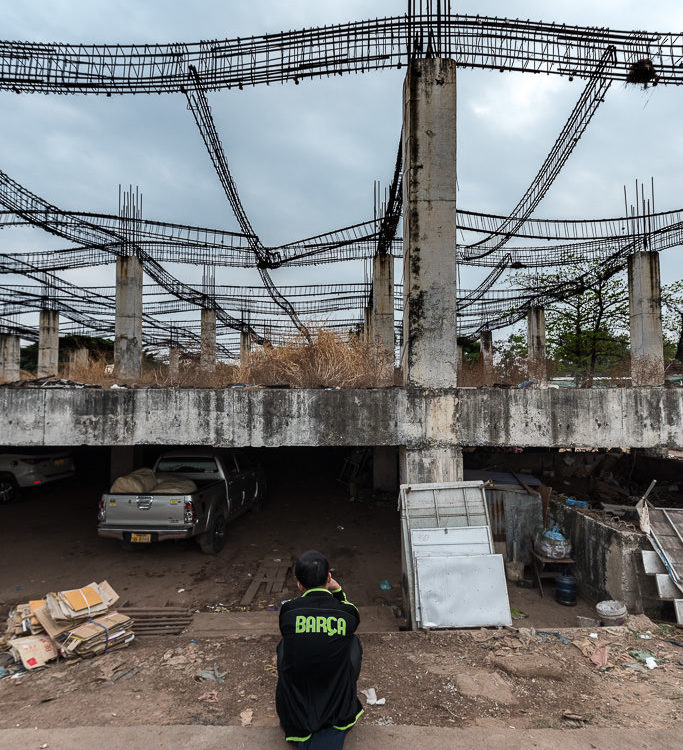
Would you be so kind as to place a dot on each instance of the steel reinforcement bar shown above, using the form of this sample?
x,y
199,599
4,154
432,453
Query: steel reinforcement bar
x,y
355,47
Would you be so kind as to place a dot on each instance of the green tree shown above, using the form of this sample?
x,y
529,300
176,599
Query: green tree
x,y
587,332
672,320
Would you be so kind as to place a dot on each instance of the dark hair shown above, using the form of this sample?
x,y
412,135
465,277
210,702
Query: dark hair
x,y
311,569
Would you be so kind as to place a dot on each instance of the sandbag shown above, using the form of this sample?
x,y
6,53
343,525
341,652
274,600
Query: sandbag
x,y
175,486
137,482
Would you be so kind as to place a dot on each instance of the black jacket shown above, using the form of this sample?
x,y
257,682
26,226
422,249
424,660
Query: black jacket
x,y
318,664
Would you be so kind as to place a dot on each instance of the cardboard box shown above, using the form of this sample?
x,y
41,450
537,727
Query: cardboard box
x,y
33,650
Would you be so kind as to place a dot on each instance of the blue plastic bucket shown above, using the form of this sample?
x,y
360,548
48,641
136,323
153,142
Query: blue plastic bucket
x,y
565,590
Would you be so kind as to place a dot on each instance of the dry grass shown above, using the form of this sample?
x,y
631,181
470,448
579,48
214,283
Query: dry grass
x,y
329,361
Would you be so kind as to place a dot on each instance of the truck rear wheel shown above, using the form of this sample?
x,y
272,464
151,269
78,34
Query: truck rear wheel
x,y
213,540
9,489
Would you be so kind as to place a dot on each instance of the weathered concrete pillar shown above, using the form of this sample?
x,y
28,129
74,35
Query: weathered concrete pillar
x,y
385,468
367,323
78,361
382,312
245,348
429,355
48,343
128,326
10,356
207,359
537,366
645,310
486,357
174,361
438,463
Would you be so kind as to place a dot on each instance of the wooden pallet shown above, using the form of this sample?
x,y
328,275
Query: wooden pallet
x,y
158,621
273,575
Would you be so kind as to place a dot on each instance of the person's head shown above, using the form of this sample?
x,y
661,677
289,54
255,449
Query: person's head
x,y
312,570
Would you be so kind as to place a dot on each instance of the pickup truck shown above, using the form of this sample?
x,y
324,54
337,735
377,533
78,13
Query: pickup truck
x,y
20,469
227,485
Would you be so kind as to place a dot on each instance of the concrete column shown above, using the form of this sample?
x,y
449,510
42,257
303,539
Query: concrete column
x,y
385,468
645,310
124,459
78,361
10,356
430,464
245,348
486,358
429,354
174,361
382,313
537,367
128,327
48,343
367,324
207,359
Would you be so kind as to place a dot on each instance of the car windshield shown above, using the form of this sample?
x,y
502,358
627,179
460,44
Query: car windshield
x,y
188,465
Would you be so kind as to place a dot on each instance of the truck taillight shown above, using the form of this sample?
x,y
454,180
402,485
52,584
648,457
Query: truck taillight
x,y
190,515
102,511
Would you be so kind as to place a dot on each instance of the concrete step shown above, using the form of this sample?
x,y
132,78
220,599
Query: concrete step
x,y
652,563
666,588
678,606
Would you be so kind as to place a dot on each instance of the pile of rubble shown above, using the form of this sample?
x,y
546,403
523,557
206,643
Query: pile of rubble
x,y
72,623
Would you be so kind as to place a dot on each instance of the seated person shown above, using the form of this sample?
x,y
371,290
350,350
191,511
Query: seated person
x,y
318,659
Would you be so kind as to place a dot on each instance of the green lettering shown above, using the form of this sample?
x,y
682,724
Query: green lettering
x,y
331,627
301,623
310,624
321,625
341,626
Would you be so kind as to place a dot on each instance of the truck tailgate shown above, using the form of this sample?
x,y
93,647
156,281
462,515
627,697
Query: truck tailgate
x,y
144,511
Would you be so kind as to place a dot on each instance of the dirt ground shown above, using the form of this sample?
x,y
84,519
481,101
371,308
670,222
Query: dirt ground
x,y
457,678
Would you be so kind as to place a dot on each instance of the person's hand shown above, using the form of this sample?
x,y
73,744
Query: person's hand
x,y
332,585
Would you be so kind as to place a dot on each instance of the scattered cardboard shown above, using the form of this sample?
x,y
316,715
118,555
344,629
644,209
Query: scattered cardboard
x,y
33,650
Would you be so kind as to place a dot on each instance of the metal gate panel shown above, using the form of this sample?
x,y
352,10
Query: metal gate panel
x,y
469,540
461,591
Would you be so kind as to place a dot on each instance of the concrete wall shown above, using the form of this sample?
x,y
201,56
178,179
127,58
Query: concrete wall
x,y
429,420
608,562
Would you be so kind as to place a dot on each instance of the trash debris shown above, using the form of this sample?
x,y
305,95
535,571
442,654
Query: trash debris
x,y
546,633
599,656
340,528
385,585
33,650
517,614
180,591
643,656
211,696
246,716
371,697
210,674
645,636
553,544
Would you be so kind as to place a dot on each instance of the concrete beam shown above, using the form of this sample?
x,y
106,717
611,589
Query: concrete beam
x,y
486,358
10,357
537,366
428,421
207,357
382,310
429,357
645,312
128,326
48,343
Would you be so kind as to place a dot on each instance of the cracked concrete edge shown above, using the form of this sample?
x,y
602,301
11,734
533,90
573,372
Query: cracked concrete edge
x,y
200,737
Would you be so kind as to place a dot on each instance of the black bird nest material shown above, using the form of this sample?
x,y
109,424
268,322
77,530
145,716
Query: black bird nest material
x,y
642,71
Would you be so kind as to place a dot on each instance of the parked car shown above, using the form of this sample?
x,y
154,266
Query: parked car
x,y
19,469
227,485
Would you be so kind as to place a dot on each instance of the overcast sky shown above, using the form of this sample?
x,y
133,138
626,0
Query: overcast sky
x,y
305,157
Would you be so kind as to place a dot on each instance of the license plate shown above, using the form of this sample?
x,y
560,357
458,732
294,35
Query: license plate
x,y
142,538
